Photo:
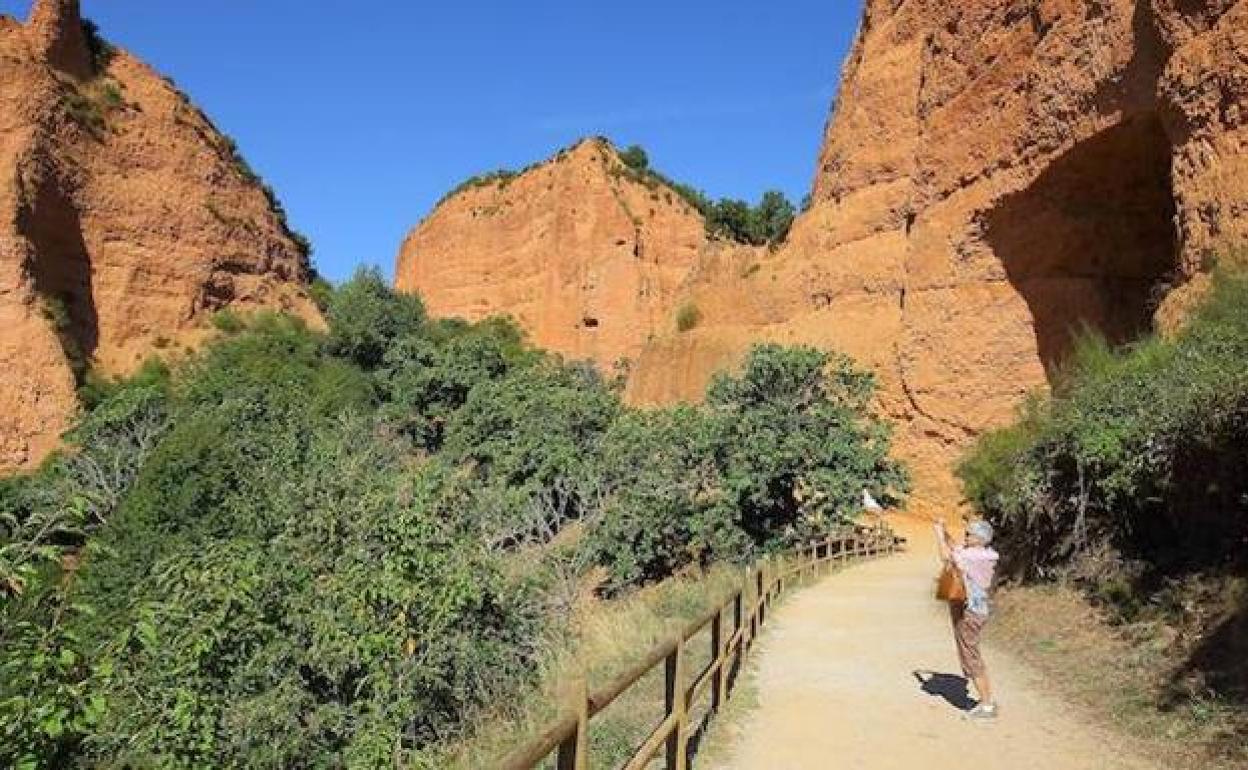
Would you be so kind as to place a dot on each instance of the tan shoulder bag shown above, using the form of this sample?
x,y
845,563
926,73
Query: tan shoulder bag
x,y
950,587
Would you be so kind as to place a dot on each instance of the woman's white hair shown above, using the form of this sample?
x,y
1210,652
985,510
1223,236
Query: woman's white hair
x,y
981,530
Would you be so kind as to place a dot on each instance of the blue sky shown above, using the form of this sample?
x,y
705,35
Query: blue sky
x,y
362,115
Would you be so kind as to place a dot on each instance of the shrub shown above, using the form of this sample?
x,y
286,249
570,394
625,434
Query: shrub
x,y
427,378
774,216
687,317
1136,452
84,111
767,223
781,451
228,321
635,158
801,442
305,549
366,317
526,440
110,95
333,624
267,583
56,311
664,503
321,291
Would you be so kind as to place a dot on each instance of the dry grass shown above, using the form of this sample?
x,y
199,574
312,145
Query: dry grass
x,y
608,637
1120,672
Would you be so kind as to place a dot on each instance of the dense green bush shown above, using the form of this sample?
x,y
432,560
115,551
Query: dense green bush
x,y
782,450
326,549
366,317
335,624
425,379
802,441
1136,459
526,440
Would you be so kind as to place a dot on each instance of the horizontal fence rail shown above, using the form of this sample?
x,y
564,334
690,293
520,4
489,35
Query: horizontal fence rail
x,y
734,626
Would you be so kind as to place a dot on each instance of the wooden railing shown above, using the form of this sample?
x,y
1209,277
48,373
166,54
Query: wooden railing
x,y
568,737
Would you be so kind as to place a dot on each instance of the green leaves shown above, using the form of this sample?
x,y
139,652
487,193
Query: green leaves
x,y
783,449
366,316
1136,452
766,224
313,550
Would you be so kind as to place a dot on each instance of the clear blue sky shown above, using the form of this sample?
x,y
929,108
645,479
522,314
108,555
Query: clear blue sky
x,y
362,114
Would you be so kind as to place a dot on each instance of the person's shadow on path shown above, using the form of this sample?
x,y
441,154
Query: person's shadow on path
x,y
948,686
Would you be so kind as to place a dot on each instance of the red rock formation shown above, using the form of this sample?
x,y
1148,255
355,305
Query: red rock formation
x,y
125,221
587,258
996,175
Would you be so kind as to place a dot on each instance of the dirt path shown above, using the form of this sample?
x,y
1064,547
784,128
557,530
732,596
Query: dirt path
x,y
836,688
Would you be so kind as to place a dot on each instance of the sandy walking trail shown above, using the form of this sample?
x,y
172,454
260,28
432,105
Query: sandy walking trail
x,y
836,687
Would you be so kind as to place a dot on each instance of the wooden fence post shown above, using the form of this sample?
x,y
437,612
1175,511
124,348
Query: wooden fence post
x,y
747,636
674,697
760,593
574,751
718,654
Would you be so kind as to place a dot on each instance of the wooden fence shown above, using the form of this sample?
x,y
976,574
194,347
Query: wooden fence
x,y
731,642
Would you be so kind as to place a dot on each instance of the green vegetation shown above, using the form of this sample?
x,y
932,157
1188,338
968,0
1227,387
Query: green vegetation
x,y
321,291
498,178
635,158
781,451
1129,481
1139,450
305,549
110,95
85,111
228,321
687,317
766,224
88,103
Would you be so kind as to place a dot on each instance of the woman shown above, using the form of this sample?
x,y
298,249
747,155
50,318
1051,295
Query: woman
x,y
975,562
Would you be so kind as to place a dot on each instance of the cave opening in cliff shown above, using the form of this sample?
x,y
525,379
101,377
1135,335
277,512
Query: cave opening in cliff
x,y
1092,242
61,273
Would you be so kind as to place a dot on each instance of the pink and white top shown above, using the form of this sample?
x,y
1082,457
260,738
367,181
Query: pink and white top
x,y
977,565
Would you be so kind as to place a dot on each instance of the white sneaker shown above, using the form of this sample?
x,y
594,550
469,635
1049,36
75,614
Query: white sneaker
x,y
984,712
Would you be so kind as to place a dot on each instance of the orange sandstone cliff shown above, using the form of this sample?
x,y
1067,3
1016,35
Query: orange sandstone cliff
x,y
996,174
588,258
126,219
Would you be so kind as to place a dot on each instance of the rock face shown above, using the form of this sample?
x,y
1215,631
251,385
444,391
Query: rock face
x,y
996,175
126,219
587,257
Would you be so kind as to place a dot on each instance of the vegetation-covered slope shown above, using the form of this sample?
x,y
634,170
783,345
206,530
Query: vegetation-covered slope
x,y
298,549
